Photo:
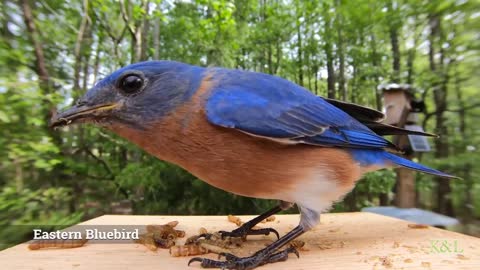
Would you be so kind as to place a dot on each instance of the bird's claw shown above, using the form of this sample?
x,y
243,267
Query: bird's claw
x,y
244,231
207,263
228,256
245,263
283,255
195,259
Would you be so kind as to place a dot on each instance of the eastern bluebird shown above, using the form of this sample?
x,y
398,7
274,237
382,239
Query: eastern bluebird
x,y
248,133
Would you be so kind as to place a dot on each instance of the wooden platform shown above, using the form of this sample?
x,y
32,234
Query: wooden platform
x,y
342,241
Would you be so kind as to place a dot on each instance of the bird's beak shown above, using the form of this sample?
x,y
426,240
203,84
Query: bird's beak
x,y
80,113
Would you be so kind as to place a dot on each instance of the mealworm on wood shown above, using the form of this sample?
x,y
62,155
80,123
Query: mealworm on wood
x,y
235,220
56,243
187,250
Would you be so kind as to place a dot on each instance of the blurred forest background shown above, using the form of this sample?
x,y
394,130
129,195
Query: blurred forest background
x,y
52,51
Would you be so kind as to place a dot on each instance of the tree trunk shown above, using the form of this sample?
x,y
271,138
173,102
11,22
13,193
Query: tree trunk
x,y
269,57
156,39
353,90
135,27
467,167
300,52
40,64
396,55
145,28
40,68
410,60
444,202
330,75
412,53
309,71
329,55
79,45
376,65
278,56
86,67
86,58
394,27
461,109
96,66
341,54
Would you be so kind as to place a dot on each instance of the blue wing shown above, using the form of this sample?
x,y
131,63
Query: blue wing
x,y
271,107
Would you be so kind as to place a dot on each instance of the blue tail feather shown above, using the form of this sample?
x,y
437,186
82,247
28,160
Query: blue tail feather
x,y
368,157
415,166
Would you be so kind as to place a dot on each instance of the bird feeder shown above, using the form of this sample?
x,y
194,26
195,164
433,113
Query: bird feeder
x,y
401,110
397,103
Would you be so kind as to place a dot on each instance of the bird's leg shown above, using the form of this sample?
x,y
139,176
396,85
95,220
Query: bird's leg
x,y
282,256
246,228
263,256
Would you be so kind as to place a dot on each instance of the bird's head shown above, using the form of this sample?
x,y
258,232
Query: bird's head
x,y
133,95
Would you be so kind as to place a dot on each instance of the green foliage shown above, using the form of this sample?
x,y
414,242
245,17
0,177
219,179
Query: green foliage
x,y
377,182
47,208
367,191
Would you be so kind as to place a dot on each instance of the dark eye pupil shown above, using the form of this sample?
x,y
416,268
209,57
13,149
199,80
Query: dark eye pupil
x,y
132,84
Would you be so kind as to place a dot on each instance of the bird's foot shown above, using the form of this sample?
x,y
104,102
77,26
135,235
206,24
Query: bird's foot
x,y
246,229
242,231
245,263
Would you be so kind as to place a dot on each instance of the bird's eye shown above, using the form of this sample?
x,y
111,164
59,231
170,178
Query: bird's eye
x,y
131,84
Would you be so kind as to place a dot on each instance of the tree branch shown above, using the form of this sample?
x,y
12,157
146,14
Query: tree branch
x,y
41,67
79,44
125,17
103,162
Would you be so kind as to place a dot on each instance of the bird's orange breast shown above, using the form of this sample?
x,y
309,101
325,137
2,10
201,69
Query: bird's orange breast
x,y
237,162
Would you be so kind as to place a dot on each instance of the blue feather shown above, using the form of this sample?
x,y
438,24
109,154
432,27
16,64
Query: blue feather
x,y
349,137
271,107
367,157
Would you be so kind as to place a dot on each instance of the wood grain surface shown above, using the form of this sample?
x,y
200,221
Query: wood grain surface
x,y
341,241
